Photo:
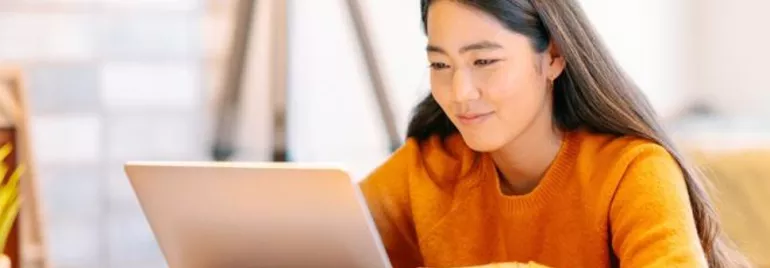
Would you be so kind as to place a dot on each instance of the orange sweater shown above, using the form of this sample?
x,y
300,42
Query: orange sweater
x,y
604,200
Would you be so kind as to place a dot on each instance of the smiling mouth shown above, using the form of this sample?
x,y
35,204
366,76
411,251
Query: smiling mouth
x,y
469,119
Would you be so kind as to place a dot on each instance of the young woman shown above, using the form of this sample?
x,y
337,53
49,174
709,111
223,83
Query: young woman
x,y
534,146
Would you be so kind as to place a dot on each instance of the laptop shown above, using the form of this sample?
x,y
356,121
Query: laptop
x,y
206,214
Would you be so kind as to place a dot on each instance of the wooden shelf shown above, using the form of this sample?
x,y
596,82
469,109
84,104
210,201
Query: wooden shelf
x,y
29,232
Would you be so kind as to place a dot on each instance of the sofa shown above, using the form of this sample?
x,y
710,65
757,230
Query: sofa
x,y
741,191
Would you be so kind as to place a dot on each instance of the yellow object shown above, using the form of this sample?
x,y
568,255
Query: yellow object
x,y
9,195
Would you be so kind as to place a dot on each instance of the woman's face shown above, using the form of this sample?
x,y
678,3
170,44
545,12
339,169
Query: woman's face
x,y
489,81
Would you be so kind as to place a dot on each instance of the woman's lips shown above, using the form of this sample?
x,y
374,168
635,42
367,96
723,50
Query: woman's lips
x,y
476,118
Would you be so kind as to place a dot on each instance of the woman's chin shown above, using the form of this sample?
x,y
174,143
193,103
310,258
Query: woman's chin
x,y
482,144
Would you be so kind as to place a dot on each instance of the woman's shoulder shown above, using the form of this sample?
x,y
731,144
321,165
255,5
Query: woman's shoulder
x,y
614,170
607,160
435,158
600,148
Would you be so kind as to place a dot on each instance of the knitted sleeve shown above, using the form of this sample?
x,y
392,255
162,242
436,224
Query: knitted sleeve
x,y
386,193
651,218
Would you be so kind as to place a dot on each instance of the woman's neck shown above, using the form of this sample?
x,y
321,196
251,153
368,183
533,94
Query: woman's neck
x,y
523,162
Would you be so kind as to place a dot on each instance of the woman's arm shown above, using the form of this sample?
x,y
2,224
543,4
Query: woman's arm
x,y
386,193
651,219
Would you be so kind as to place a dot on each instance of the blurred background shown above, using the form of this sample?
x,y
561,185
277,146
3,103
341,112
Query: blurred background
x,y
110,81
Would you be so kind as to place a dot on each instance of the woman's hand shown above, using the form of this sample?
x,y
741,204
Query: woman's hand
x,y
509,265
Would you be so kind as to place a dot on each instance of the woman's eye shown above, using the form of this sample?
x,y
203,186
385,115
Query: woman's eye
x,y
438,65
484,62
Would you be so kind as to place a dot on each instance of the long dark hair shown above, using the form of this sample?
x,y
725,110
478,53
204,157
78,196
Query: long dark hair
x,y
593,93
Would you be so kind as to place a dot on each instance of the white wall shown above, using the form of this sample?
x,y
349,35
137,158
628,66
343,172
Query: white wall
x,y
649,38
333,115
731,60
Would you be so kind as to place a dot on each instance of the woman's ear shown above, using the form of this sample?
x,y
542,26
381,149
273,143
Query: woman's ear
x,y
555,61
